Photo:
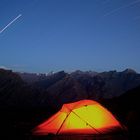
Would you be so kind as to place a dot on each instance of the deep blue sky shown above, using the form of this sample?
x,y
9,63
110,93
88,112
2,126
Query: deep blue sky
x,y
70,34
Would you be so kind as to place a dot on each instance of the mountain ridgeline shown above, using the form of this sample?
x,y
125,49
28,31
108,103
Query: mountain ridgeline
x,y
27,99
41,90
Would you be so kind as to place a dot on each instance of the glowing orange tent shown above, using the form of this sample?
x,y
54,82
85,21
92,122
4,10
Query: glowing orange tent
x,y
82,117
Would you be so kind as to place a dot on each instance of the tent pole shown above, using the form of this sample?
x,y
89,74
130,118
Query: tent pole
x,y
86,122
62,124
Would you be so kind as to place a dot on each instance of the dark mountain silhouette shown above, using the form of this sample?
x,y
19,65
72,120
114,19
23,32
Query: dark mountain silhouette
x,y
26,89
31,77
23,105
10,85
50,80
16,93
126,108
90,85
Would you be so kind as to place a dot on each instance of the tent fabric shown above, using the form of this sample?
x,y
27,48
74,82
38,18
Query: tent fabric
x,y
82,117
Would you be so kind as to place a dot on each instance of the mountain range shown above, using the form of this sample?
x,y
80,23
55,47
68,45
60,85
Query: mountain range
x,y
30,89
28,99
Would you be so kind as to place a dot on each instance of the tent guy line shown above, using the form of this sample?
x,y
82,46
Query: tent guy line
x,y
16,18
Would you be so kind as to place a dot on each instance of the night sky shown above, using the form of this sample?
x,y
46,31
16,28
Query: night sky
x,y
53,35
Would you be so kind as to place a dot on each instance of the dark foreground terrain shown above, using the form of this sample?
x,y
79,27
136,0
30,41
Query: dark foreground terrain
x,y
81,137
23,106
18,123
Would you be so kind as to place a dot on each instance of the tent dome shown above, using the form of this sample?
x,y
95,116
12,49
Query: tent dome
x,y
82,117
